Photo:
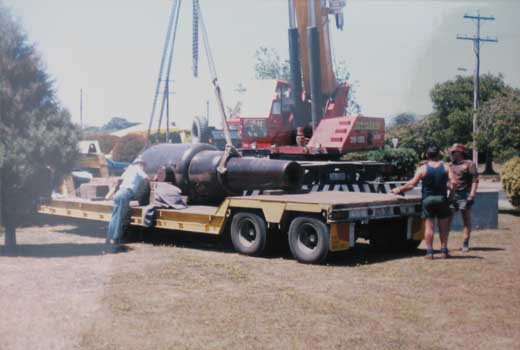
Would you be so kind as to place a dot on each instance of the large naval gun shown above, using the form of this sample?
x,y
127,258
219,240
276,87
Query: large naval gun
x,y
207,175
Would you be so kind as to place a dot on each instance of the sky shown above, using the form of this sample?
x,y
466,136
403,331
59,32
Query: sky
x,y
395,50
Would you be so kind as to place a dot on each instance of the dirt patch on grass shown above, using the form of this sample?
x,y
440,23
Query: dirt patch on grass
x,y
63,291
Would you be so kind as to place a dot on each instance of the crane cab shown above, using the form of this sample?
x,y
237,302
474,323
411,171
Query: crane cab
x,y
265,117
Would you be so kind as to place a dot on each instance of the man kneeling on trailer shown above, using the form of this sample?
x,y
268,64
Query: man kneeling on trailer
x,y
130,187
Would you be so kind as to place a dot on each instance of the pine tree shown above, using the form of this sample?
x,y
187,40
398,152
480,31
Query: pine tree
x,y
38,142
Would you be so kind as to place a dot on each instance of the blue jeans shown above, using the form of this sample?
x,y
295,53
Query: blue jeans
x,y
119,213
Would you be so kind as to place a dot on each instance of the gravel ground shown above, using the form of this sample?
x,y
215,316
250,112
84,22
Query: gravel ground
x,y
63,291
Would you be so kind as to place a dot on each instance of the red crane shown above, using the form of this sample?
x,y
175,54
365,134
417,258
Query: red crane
x,y
304,118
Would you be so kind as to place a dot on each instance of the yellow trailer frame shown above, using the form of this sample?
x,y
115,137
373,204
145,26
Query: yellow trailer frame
x,y
342,212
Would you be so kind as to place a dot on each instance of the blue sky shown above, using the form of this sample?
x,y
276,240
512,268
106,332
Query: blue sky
x,y
395,49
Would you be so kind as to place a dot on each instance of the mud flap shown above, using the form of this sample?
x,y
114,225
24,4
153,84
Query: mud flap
x,y
342,236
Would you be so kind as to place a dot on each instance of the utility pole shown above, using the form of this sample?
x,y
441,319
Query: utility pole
x,y
81,109
167,97
477,39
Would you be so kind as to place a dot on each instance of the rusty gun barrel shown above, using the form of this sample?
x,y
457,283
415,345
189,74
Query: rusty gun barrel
x,y
197,175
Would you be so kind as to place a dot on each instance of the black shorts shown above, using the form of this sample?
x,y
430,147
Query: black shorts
x,y
436,207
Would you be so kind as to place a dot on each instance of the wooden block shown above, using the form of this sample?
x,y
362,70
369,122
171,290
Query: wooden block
x,y
93,191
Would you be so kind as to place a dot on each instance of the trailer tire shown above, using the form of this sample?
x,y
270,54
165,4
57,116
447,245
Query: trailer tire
x,y
308,240
199,130
249,233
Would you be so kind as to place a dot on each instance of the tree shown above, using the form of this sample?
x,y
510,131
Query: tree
x,y
235,110
128,147
343,76
453,106
269,65
417,136
36,133
402,119
452,118
499,124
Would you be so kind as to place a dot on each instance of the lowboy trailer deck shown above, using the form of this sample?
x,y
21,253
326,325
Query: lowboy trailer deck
x,y
316,223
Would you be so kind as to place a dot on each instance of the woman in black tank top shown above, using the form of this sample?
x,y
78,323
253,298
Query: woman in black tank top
x,y
435,179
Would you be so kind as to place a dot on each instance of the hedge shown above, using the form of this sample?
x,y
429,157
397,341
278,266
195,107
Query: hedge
x,y
510,176
403,160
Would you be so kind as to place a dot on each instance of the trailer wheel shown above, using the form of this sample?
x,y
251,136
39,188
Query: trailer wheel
x,y
249,233
309,240
199,130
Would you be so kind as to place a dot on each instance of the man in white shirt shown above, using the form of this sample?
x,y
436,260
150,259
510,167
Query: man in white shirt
x,y
128,189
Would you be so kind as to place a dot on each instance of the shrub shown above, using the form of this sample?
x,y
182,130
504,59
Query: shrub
x,y
403,160
128,148
504,155
106,142
511,180
355,156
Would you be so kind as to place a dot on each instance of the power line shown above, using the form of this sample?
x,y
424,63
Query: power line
x,y
476,39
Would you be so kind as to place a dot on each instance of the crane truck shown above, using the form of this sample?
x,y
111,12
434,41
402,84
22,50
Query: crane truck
x,y
305,119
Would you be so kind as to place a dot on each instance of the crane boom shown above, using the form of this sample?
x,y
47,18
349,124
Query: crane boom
x,y
305,10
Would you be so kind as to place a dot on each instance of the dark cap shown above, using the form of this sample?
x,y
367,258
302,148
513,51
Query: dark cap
x,y
432,152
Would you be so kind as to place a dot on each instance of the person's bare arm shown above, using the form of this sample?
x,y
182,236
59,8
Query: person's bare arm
x,y
419,174
474,188
452,183
474,184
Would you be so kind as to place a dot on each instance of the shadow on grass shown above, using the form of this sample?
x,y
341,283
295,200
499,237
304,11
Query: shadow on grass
x,y
362,254
85,228
58,250
514,212
191,240
464,257
486,249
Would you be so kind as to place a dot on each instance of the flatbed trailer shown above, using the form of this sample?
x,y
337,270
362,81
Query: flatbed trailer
x,y
316,223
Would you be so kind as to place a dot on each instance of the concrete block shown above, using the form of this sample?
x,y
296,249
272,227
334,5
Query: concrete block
x,y
484,212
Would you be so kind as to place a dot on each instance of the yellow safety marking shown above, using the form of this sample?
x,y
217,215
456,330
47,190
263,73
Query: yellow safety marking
x,y
339,236
79,214
418,229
